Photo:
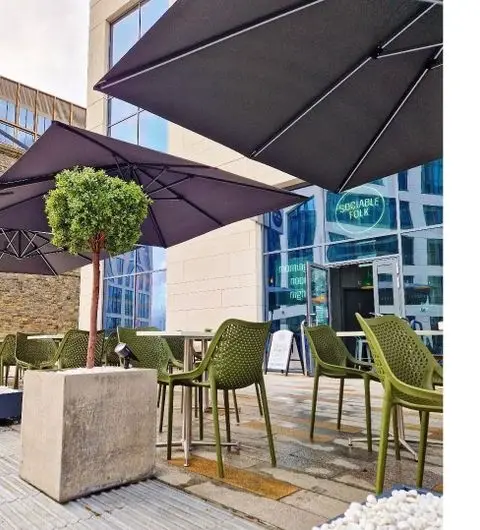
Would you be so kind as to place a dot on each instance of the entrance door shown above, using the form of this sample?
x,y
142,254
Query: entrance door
x,y
317,295
386,286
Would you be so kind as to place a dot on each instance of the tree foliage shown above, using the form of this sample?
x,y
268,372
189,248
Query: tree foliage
x,y
89,210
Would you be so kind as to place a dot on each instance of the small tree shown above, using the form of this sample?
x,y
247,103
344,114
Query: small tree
x,y
89,211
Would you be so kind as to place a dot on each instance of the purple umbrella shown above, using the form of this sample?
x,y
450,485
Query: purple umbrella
x,y
189,199
27,252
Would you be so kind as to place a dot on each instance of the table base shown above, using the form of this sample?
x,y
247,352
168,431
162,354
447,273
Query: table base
x,y
401,441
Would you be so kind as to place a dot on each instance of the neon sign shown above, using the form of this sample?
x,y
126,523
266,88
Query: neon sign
x,y
360,211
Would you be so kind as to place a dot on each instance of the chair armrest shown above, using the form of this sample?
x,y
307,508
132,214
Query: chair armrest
x,y
176,364
421,393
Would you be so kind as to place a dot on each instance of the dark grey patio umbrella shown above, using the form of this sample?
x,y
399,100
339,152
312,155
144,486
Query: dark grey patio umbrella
x,y
335,92
28,252
189,199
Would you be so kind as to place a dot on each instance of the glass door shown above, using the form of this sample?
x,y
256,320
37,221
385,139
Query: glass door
x,y
317,295
386,287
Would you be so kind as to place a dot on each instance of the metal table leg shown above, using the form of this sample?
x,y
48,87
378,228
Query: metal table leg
x,y
187,406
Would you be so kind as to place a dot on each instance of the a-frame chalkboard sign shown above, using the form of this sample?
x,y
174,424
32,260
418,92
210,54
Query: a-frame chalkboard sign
x,y
283,350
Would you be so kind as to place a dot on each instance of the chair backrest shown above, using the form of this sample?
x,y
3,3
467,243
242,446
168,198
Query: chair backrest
x,y
7,350
327,348
109,355
34,351
177,347
152,352
398,351
72,352
235,355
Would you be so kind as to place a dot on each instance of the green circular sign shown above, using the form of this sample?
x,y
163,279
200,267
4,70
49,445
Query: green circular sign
x,y
360,210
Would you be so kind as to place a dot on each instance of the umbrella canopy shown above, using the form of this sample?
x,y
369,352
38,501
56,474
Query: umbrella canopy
x,y
335,92
189,199
27,252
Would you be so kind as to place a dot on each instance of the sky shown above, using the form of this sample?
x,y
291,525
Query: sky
x,y
46,47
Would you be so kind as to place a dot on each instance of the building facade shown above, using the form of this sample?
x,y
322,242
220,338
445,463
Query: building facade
x,y
31,302
383,240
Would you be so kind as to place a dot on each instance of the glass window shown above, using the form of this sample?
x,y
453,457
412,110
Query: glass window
x,y
408,246
152,131
119,110
7,110
10,131
436,289
124,34
362,212
43,123
403,181
433,214
26,138
435,251
150,12
405,215
301,223
370,248
126,130
432,178
25,118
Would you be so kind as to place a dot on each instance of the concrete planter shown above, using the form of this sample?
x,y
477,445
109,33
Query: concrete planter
x,y
87,430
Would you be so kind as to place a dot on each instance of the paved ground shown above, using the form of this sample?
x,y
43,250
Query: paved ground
x,y
312,482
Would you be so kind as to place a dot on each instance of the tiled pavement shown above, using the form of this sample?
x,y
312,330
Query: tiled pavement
x,y
322,478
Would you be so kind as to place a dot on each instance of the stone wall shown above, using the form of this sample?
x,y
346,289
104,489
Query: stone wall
x,y
36,303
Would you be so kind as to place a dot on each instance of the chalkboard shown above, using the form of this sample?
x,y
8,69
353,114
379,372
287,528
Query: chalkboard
x,y
280,349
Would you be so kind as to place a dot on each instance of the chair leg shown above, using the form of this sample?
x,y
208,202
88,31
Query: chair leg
x,y
395,432
7,369
216,427
368,412
382,451
196,402
316,377
226,404
259,400
200,413
163,389
15,381
422,448
340,404
235,406
170,421
268,425
159,393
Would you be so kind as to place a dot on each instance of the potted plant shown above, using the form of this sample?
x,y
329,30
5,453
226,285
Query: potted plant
x,y
88,429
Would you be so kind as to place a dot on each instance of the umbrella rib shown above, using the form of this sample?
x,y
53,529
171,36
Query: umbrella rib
x,y
31,242
169,186
10,242
150,209
22,201
398,107
337,84
207,43
46,261
190,203
410,49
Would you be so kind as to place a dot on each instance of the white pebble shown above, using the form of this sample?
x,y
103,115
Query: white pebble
x,y
403,510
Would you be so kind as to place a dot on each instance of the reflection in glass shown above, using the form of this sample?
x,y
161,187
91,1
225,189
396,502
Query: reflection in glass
x,y
301,221
7,110
370,248
432,178
433,214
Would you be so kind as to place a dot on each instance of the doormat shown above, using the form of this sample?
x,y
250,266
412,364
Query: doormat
x,y
240,478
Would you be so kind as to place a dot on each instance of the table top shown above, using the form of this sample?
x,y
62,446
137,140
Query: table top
x,y
429,332
58,336
205,335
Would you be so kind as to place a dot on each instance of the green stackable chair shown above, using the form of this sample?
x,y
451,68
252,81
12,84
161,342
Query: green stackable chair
x,y
110,358
34,354
234,360
152,352
332,359
7,356
72,351
407,370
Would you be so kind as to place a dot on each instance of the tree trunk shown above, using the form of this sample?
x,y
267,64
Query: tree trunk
x,y
92,337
